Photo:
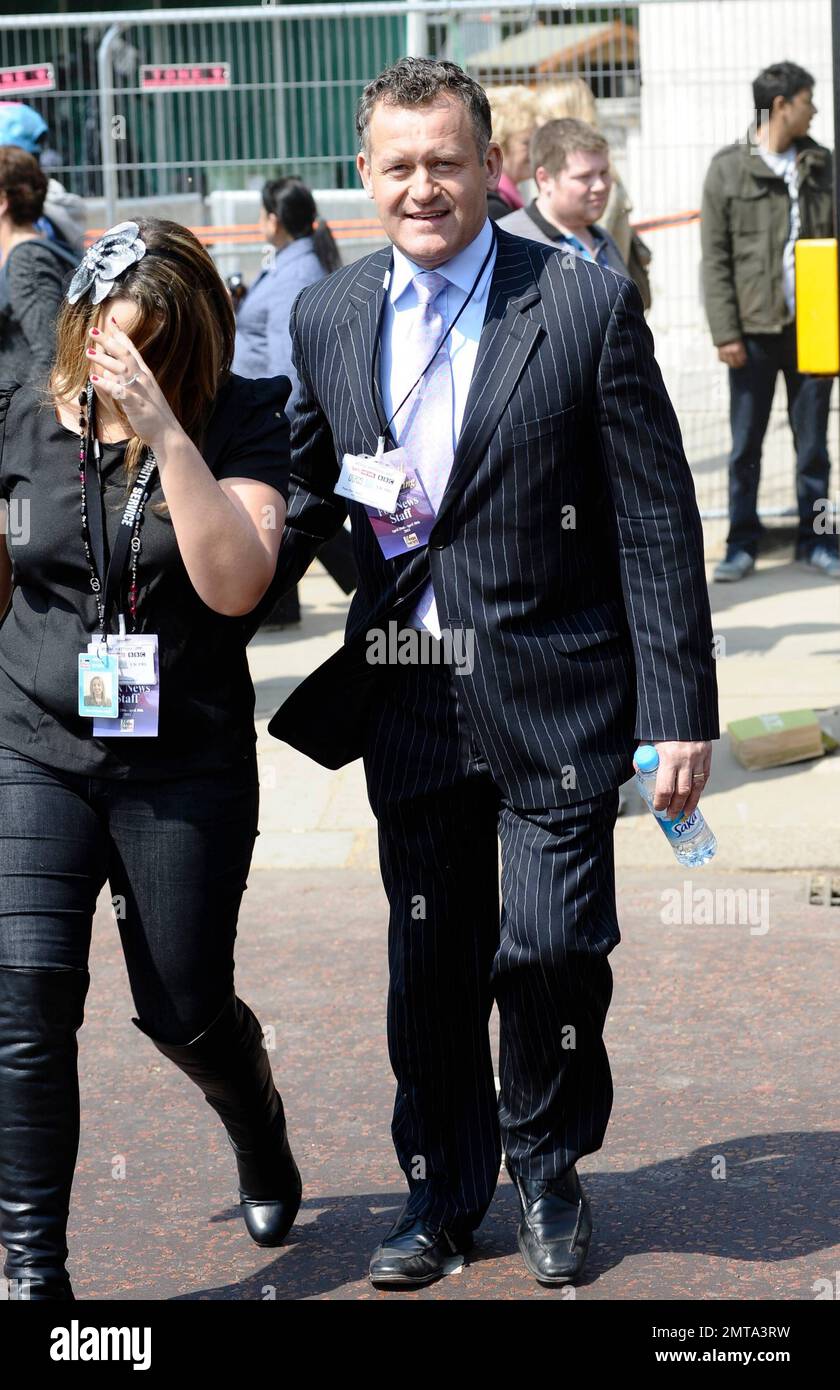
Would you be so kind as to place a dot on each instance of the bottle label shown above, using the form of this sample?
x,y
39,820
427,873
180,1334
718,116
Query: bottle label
x,y
683,830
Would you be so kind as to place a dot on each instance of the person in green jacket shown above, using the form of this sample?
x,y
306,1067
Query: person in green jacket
x,y
759,196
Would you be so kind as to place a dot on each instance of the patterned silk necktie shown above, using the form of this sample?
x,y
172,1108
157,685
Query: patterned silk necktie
x,y
425,424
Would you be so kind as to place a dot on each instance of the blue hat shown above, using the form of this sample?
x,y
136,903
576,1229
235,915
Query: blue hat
x,y
21,126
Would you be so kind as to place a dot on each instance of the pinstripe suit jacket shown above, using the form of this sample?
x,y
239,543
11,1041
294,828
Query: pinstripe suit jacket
x,y
568,539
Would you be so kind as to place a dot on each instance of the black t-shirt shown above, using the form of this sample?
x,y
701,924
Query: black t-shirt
x,y
206,719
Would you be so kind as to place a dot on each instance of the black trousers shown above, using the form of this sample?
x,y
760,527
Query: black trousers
x,y
456,943
176,855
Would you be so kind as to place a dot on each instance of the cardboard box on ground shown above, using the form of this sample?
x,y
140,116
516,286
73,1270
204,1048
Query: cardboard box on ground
x,y
788,736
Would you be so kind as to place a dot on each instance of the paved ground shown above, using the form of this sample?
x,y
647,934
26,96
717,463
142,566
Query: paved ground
x,y
715,1181
718,1179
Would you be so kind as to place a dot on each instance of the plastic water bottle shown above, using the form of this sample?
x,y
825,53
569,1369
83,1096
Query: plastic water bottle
x,y
690,838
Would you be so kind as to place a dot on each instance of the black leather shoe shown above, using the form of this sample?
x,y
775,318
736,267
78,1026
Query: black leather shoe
x,y
415,1253
41,1011
229,1063
556,1227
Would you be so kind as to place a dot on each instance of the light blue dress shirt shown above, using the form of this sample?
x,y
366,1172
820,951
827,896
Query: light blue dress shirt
x,y
401,303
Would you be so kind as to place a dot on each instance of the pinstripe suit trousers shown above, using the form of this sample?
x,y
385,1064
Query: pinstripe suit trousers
x,y
454,947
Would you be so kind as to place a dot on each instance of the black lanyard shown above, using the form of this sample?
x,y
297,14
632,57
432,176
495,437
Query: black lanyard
x,y
475,286
127,538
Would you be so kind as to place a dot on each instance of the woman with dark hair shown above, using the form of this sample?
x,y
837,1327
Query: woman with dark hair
x,y
33,271
63,217
155,483
300,251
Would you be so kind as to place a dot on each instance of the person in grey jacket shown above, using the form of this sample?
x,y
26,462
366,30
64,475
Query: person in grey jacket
x,y
33,271
301,250
571,163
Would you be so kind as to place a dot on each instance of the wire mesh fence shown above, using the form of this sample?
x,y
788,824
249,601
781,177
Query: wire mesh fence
x,y
160,105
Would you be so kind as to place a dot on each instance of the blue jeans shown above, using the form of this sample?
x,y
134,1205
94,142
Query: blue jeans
x,y
176,856
751,390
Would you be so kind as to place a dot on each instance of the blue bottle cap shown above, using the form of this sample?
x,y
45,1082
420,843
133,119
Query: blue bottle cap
x,y
646,758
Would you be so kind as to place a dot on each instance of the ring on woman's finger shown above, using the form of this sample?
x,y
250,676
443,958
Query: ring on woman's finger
x,y
131,380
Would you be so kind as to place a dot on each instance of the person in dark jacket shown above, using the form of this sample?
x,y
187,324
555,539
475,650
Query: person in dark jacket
x,y
34,272
759,196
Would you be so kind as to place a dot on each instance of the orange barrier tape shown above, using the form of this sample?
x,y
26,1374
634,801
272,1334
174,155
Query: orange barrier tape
x,y
676,219
361,229
250,232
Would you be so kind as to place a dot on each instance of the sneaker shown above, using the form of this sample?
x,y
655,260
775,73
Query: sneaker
x,y
822,559
735,566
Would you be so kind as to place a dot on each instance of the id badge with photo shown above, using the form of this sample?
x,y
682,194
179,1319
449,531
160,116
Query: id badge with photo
x,y
98,684
139,687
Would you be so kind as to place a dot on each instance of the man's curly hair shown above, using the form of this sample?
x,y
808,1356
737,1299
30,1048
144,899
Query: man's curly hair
x,y
416,82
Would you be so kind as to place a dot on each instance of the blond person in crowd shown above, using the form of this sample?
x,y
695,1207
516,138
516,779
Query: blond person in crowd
x,y
515,115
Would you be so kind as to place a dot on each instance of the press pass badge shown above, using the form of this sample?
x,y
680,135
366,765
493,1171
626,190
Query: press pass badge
x,y
138,684
136,654
409,525
373,481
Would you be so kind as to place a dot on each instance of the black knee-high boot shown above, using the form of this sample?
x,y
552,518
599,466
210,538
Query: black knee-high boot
x,y
40,1013
229,1063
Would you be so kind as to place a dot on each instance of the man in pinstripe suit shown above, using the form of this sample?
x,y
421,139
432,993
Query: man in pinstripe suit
x,y
566,543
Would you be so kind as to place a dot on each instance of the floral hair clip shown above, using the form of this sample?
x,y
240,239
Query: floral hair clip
x,y
104,262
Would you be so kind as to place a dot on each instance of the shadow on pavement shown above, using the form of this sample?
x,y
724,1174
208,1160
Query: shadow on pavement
x,y
772,1205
